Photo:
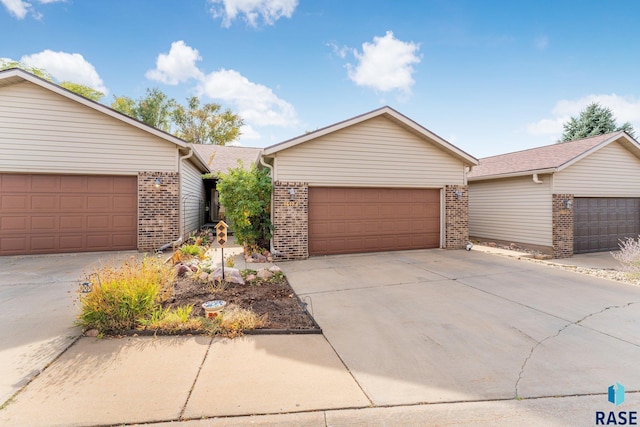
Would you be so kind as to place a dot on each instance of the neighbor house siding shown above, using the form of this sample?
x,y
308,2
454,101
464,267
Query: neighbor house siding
x,y
374,153
514,210
609,172
192,198
46,132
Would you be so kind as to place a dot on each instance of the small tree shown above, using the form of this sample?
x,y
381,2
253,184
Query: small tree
x,y
246,196
155,108
594,120
206,124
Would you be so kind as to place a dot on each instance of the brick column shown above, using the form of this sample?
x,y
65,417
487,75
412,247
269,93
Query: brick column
x,y
456,215
562,226
158,209
291,220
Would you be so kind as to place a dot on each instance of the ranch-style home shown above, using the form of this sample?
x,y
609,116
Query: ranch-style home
x,y
375,182
563,199
78,176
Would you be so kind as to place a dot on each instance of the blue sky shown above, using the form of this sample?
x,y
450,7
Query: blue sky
x,y
488,76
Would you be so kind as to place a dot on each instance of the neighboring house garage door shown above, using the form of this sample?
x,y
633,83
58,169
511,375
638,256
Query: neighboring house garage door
x,y
67,213
600,223
351,220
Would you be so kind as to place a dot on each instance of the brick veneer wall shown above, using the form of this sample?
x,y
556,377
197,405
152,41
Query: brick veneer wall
x,y
158,209
456,213
562,226
291,220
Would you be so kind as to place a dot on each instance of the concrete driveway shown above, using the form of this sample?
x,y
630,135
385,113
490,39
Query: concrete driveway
x,y
37,309
449,326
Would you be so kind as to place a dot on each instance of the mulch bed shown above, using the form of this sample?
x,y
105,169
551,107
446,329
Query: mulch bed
x,y
276,300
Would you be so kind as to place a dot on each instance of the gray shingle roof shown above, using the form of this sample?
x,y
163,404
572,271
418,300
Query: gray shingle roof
x,y
222,158
537,159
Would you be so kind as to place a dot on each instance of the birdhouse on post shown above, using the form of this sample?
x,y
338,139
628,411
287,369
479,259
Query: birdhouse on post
x,y
221,233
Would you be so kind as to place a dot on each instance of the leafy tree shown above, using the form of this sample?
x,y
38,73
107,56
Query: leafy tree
x,y
86,91
154,109
594,120
246,196
207,124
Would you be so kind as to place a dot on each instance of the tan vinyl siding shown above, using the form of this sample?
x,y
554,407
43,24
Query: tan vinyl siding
x,y
46,132
514,210
374,153
191,198
609,172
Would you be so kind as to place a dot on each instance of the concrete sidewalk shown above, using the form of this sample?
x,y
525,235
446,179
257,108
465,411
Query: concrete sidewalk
x,y
151,379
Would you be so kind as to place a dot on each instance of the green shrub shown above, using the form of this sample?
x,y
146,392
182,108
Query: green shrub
x,y
246,196
193,250
124,295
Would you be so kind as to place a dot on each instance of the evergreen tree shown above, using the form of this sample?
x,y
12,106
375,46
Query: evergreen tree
x,y
594,120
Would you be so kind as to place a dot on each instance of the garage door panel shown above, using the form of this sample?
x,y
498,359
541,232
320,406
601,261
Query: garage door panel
x,y
600,223
58,213
351,220
13,244
44,203
14,224
44,183
72,243
44,223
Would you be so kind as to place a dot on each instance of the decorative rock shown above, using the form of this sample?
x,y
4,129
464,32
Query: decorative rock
x,y
269,259
250,278
259,257
91,333
193,267
203,277
231,275
182,269
265,274
274,268
492,244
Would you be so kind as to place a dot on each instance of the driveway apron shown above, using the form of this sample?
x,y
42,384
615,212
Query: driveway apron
x,y
444,326
37,309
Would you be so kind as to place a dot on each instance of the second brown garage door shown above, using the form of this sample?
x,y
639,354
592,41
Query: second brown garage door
x,y
352,220
67,213
600,223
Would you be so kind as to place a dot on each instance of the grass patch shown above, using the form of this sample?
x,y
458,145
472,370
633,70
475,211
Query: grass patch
x,y
123,295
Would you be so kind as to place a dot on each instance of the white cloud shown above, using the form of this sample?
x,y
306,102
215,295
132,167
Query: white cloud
x,y
177,66
252,10
624,109
65,66
20,8
385,64
541,42
17,8
340,51
255,103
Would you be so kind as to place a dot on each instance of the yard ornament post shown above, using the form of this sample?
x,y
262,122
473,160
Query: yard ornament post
x,y
221,237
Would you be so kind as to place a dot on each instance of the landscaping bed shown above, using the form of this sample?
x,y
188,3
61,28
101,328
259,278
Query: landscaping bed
x,y
165,297
274,300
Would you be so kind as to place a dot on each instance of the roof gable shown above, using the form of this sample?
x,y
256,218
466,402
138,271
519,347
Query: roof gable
x,y
16,76
549,158
386,112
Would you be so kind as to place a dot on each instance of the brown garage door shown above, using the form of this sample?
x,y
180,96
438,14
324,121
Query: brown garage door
x,y
600,223
67,213
351,220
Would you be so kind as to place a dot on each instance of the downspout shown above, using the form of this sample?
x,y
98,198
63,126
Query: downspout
x,y
536,180
272,249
